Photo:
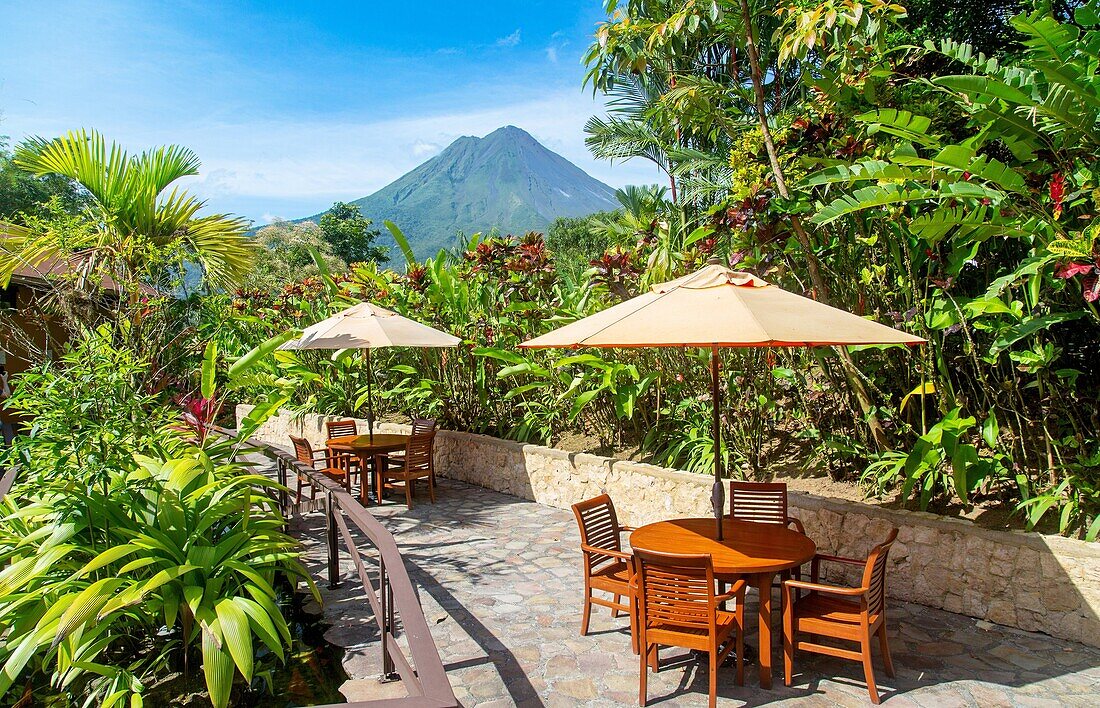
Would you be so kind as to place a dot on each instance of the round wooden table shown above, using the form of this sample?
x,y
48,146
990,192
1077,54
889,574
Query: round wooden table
x,y
369,450
755,551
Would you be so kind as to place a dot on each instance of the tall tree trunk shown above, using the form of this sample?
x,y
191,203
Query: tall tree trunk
x,y
821,288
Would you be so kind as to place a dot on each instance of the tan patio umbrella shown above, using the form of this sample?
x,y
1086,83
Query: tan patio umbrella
x,y
367,326
717,307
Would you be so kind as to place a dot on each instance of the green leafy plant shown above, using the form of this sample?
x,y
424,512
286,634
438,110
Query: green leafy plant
x,y
133,538
941,464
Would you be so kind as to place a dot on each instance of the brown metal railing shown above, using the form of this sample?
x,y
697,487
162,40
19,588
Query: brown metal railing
x,y
393,601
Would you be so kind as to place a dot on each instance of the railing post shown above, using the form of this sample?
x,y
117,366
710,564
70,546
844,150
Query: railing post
x,y
333,548
389,671
280,466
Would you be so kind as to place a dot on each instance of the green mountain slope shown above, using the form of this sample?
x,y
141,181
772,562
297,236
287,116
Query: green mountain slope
x,y
506,180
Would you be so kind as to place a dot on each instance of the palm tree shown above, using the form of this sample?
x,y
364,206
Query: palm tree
x,y
142,233
633,128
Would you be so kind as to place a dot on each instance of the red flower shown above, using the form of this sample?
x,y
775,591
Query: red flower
x,y
1057,192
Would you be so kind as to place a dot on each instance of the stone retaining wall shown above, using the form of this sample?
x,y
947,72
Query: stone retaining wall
x,y
1034,582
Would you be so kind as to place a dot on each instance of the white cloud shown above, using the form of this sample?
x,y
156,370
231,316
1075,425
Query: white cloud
x,y
422,148
557,43
293,168
509,40
218,183
269,218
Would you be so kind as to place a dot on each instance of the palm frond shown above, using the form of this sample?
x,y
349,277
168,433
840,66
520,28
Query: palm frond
x,y
220,244
617,139
130,200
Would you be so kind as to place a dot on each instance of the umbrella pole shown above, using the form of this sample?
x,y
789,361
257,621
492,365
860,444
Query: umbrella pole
x,y
370,395
718,493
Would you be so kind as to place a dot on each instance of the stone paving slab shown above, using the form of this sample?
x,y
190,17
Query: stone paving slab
x,y
499,581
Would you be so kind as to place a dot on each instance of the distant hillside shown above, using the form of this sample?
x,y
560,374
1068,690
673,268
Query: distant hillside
x,y
506,180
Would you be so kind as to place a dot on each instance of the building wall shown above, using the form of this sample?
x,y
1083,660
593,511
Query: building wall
x,y
1031,581
25,322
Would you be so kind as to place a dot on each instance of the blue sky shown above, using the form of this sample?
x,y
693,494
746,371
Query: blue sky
x,y
293,105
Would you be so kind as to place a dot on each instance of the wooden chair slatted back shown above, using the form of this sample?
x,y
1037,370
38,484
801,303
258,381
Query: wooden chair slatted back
x,y
874,574
676,590
341,428
303,451
423,425
418,453
599,526
759,502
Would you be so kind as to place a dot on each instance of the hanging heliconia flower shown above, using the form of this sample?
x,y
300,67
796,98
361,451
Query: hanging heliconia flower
x,y
1057,193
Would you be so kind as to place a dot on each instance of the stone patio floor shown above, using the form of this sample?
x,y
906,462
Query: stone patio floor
x,y
499,581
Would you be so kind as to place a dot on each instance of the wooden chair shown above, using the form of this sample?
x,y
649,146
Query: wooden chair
x,y
330,466
607,567
762,503
677,606
420,426
852,614
415,464
423,425
339,429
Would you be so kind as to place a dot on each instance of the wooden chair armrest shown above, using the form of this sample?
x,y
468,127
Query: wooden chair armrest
x,y
830,589
818,559
605,552
736,591
839,559
797,523
626,529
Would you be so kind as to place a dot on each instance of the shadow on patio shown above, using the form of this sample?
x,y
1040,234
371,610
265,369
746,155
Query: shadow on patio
x,y
501,589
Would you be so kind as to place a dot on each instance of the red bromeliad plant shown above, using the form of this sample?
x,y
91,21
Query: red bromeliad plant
x,y
417,278
617,270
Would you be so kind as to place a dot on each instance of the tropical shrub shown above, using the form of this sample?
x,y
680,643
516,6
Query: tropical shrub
x,y
134,542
